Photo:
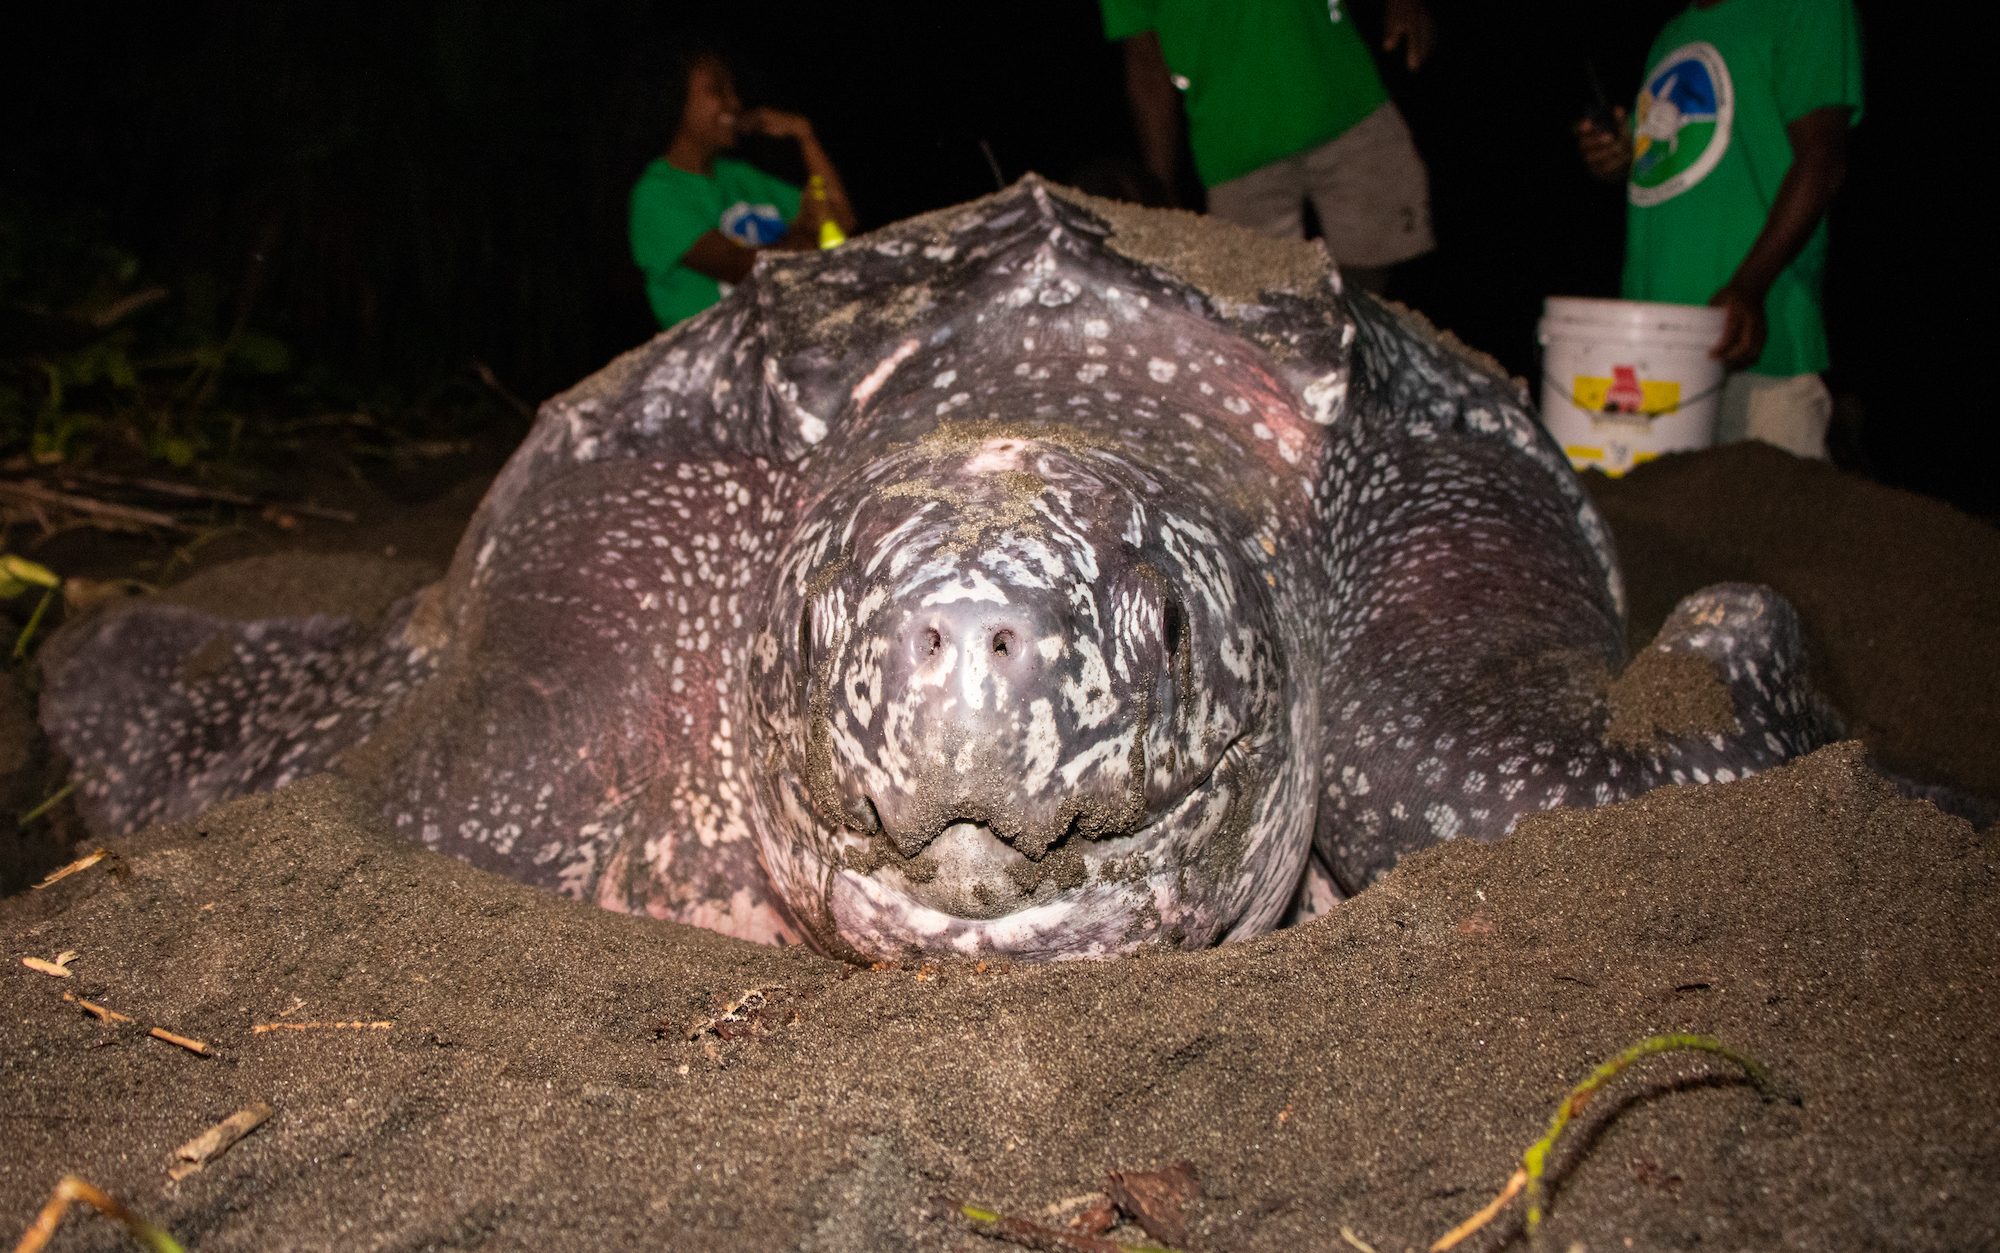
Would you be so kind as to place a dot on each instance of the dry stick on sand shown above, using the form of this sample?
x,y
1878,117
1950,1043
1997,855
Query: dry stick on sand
x,y
220,495
72,1188
93,1008
1535,1160
188,1043
103,513
382,1024
103,1014
217,1140
81,863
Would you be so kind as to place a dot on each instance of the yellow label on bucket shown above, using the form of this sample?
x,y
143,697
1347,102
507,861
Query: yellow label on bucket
x,y
1655,396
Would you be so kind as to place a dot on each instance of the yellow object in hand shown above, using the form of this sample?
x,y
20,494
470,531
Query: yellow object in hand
x,y
830,234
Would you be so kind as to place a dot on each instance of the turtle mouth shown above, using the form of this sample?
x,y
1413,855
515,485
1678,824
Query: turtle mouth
x,y
969,871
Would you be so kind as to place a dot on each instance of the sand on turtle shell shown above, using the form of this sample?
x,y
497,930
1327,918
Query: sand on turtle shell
x,y
1379,1069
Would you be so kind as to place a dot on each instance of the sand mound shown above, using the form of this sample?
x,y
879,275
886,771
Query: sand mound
x,y
1379,1068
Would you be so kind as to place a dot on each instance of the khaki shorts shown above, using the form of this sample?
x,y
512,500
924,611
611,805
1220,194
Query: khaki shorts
x,y
1791,411
1368,187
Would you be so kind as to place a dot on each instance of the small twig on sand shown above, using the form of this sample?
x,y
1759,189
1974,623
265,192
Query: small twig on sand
x,y
104,512
1535,1160
105,1014
1354,1241
73,1188
217,1140
1515,1182
94,1009
220,495
379,1025
1033,1235
82,863
191,1045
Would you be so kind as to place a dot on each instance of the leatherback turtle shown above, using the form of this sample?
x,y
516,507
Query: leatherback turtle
x,y
1038,577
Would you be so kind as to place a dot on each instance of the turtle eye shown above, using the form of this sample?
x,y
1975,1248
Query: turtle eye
x,y
1172,626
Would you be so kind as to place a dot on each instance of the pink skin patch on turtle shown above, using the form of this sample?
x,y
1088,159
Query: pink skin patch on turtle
x,y
865,390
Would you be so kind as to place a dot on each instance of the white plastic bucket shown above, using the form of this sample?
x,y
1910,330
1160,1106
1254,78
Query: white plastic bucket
x,y
1624,380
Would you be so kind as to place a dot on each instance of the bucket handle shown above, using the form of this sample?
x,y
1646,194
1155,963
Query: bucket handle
x,y
1542,368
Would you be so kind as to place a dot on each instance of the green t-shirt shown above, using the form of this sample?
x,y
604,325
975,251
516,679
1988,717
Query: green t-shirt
x,y
671,208
1710,150
1261,79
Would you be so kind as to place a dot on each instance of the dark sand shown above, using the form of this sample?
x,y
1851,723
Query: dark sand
x,y
1379,1069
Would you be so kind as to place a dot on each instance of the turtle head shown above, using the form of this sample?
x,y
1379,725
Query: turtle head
x,y
1014,706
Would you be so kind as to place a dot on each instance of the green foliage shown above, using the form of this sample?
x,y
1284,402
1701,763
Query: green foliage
x,y
94,358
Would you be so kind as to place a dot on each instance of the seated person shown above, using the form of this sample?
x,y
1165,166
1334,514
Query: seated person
x,y
698,217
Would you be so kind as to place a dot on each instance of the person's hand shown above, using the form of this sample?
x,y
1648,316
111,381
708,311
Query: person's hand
x,y
777,123
1606,154
1743,333
1409,23
803,233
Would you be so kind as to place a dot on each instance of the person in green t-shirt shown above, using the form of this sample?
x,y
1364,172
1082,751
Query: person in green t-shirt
x,y
1730,161
1283,105
698,217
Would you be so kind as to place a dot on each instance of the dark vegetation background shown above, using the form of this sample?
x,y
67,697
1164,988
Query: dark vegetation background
x,y
351,207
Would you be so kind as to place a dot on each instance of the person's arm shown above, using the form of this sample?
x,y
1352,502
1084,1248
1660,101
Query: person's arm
x,y
1606,154
720,257
1156,106
662,223
1819,164
1409,23
792,126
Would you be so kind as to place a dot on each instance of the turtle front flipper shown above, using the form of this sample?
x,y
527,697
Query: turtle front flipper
x,y
1477,668
1722,692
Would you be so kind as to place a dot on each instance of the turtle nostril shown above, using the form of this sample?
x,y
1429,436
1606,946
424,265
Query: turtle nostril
x,y
1003,643
1171,626
929,641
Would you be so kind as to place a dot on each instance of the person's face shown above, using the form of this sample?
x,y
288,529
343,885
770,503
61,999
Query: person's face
x,y
712,106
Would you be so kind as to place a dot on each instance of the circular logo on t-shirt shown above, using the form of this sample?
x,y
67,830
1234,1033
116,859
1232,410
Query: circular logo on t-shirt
x,y
753,225
1682,128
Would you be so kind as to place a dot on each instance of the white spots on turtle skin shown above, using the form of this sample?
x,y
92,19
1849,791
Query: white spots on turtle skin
x,y
1444,821
1089,694
974,587
1325,397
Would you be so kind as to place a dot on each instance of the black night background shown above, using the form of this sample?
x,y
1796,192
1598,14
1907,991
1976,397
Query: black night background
x,y
368,201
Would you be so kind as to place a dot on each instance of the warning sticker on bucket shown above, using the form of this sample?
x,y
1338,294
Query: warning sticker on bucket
x,y
1625,392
